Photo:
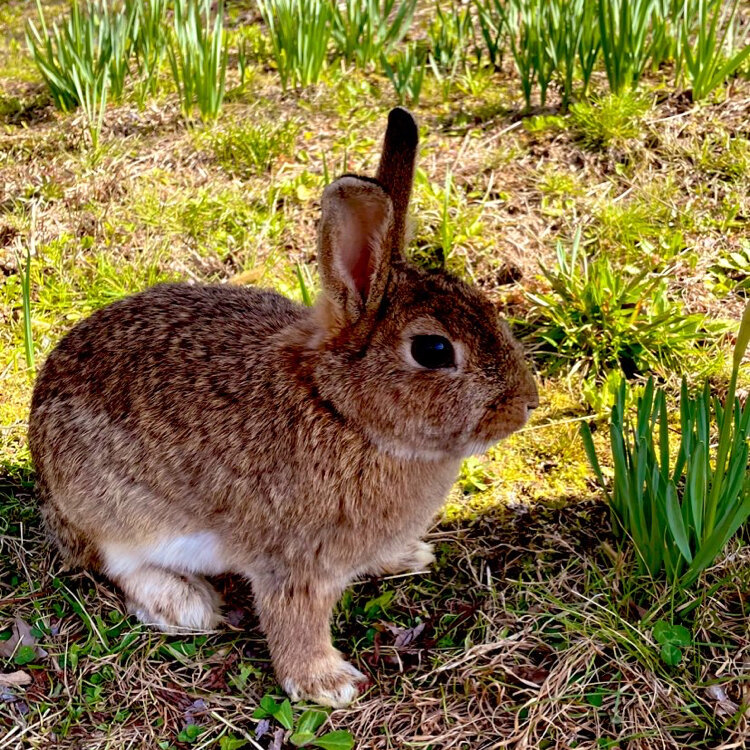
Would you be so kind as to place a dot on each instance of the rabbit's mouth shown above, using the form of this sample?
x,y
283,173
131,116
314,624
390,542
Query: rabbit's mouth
x,y
502,419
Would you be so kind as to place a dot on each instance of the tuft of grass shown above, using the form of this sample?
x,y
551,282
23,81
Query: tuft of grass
x,y
85,56
597,318
623,31
448,222
406,72
220,225
551,41
149,43
609,121
708,54
363,30
451,35
85,60
649,225
528,45
732,272
492,32
722,154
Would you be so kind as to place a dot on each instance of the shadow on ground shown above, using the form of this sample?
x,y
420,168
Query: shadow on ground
x,y
528,633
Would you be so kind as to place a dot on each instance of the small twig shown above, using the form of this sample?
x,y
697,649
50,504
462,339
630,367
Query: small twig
x,y
19,599
572,420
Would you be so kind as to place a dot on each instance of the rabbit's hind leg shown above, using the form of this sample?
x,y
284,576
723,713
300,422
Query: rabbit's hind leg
x,y
170,601
160,595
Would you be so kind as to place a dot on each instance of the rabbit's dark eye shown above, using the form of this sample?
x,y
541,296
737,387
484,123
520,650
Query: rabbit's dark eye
x,y
432,352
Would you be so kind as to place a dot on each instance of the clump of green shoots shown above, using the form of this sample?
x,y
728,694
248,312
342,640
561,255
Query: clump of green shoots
x,y
85,60
300,31
599,318
679,516
491,32
708,55
406,73
250,148
549,40
450,36
149,43
365,29
623,29
197,52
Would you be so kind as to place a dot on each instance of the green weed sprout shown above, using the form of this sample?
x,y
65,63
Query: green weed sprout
x,y
406,74
603,318
680,517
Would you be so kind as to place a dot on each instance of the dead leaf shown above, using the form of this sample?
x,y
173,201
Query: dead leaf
x,y
278,738
533,676
15,679
408,635
263,726
723,705
197,708
20,636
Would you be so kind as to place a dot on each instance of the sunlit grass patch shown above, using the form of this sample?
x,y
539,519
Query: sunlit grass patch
x,y
68,282
450,221
598,317
561,190
544,462
209,222
649,222
249,148
722,154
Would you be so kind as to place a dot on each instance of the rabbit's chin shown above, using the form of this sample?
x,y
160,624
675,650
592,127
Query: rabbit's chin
x,y
457,451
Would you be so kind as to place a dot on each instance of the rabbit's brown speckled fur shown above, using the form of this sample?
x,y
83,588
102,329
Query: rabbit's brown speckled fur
x,y
192,430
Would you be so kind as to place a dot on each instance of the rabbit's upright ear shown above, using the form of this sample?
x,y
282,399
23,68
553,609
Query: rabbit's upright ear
x,y
396,169
354,242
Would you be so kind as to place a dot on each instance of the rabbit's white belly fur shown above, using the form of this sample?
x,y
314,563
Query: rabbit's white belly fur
x,y
200,552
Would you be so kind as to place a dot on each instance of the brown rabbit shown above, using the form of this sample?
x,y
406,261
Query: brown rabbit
x,y
195,430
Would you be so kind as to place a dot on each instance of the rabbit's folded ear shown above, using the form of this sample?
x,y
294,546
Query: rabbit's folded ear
x,y
396,169
354,241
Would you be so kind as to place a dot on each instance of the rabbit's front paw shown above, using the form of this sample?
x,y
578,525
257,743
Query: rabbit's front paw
x,y
333,682
416,558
